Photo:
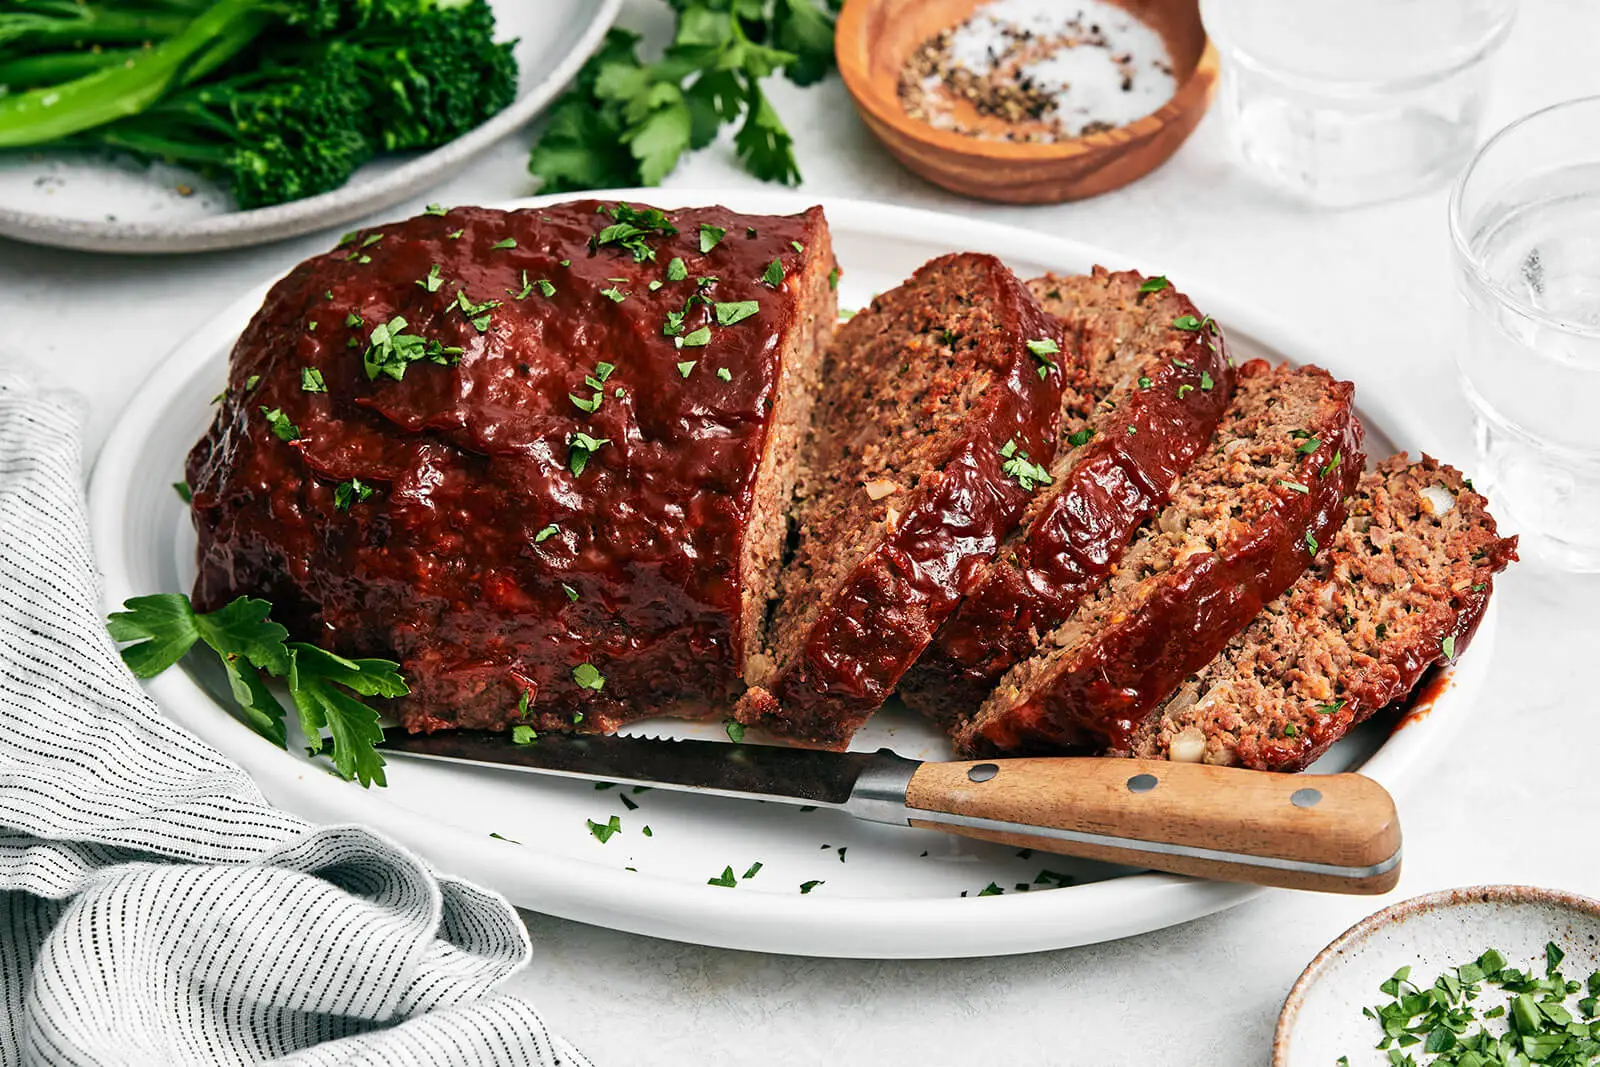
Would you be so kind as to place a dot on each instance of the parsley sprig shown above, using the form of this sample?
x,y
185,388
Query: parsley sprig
x,y
325,688
626,122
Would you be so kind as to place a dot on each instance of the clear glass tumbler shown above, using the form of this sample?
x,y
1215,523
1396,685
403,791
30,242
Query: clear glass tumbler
x,y
1347,102
1525,219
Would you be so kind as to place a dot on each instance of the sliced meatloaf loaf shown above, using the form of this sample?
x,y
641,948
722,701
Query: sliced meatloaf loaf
x,y
1401,588
1158,381
1243,524
935,426
542,458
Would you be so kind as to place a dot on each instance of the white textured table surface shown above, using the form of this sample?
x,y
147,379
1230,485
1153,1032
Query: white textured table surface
x,y
1376,280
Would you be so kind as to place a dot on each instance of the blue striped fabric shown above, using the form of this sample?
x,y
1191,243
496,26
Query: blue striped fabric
x,y
154,909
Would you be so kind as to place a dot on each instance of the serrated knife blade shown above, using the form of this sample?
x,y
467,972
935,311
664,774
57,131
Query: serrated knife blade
x,y
1335,833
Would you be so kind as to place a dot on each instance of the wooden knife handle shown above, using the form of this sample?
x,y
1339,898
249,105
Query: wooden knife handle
x,y
1335,833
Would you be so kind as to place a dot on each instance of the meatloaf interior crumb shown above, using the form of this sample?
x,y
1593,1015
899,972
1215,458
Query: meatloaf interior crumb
x,y
1150,398
1401,588
767,532
899,390
1267,462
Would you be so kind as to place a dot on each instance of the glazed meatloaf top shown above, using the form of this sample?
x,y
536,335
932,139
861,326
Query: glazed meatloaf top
x,y
935,425
1158,380
1401,588
1243,524
538,457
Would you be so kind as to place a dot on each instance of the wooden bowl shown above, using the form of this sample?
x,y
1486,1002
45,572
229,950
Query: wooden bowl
x,y
875,38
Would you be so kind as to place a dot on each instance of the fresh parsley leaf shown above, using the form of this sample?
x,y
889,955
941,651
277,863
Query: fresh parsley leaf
x,y
738,311
580,448
282,427
546,533
434,279
351,492
806,887
390,350
685,367
185,494
710,236
631,228
509,242
321,684
773,275
311,380
1154,285
753,870
735,730
676,271
1186,322
435,209
833,279
615,295
725,374
588,677
1448,647
523,734
604,831
726,879
698,339
1079,439
1028,474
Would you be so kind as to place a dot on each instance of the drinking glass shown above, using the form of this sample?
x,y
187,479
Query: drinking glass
x,y
1346,102
1525,220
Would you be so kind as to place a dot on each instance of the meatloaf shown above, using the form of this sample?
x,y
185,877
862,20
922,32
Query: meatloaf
x,y
542,458
1243,524
1158,381
1401,588
935,427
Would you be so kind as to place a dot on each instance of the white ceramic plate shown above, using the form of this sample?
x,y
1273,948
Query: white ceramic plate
x,y
895,892
1322,1019
104,204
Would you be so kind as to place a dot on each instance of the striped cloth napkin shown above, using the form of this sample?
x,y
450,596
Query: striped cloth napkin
x,y
154,909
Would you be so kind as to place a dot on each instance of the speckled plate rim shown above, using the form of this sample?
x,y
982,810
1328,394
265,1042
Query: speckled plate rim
x,y
814,925
1394,915
239,229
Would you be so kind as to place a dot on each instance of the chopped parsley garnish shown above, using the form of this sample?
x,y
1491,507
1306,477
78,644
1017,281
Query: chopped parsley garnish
x,y
798,247
434,279
1045,347
698,339
774,273
685,367
281,424
580,448
728,314
1184,390
1186,322
391,350
354,491
590,405
371,240
523,734
255,379
627,801
185,494
726,879
1296,486
631,228
1028,474
545,534
1311,542
725,374
1448,647
1206,383
1309,445
588,677
735,730
1080,438
477,314
710,236
509,242
754,869
1328,709
833,279
324,687
1338,454
1145,383
1154,285
353,320
806,887
456,236
614,294
311,381
435,209
990,890
676,271
605,831
750,233
647,831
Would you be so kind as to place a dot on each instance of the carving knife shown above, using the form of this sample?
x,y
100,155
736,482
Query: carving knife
x,y
1334,833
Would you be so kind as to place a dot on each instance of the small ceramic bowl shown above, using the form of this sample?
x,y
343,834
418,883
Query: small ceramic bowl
x,y
1322,1020
875,38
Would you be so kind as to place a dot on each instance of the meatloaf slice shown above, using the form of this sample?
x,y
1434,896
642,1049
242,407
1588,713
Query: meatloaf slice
x,y
1158,381
1243,524
935,424
543,458
1402,587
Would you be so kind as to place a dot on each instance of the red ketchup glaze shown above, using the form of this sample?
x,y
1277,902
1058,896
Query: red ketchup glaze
x,y
451,565
1137,662
1071,545
885,613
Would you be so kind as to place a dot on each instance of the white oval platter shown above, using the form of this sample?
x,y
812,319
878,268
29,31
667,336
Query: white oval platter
x,y
885,892
98,203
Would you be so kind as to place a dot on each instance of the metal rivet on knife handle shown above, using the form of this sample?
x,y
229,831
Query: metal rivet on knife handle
x,y
982,772
1142,783
1305,798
